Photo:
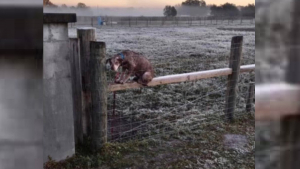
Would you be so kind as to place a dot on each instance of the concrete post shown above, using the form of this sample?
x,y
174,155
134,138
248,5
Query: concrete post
x,y
21,90
57,103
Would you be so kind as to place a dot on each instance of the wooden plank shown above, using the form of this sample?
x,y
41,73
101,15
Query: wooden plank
x,y
183,77
247,68
173,79
274,101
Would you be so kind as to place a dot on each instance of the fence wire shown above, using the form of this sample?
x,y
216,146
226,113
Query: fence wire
x,y
180,111
160,110
159,21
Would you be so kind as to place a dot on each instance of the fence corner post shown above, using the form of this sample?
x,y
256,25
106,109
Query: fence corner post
x,y
234,64
98,94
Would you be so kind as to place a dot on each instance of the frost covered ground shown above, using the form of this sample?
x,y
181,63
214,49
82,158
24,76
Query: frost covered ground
x,y
184,124
207,46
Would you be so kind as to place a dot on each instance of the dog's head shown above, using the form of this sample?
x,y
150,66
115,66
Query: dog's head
x,y
114,62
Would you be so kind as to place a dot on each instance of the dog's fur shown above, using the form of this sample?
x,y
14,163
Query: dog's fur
x,y
132,64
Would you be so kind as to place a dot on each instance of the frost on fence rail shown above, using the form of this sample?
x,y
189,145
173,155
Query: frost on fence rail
x,y
173,110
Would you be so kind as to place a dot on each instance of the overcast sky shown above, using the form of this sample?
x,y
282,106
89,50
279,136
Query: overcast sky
x,y
143,3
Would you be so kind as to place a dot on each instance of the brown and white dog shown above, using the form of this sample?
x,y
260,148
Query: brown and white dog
x,y
133,64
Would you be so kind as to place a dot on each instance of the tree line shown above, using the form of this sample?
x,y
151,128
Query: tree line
x,y
80,5
200,8
191,8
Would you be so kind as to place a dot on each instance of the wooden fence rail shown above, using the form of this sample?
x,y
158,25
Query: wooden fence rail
x,y
274,101
185,77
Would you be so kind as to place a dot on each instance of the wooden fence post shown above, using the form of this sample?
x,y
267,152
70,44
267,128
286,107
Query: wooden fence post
x,y
290,126
250,97
76,89
85,35
234,64
129,22
173,21
99,94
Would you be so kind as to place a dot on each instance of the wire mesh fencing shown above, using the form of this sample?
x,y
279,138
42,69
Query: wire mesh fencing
x,y
171,110
168,110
